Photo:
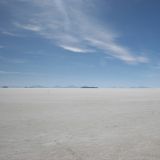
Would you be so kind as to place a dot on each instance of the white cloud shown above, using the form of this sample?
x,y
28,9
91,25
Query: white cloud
x,y
69,25
74,49
30,27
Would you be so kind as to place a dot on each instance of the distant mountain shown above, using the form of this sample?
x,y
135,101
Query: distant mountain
x,y
89,87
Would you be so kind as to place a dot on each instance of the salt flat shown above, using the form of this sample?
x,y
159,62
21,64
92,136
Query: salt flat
x,y
79,124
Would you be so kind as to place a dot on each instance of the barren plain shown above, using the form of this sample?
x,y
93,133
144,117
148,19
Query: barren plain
x,y
80,124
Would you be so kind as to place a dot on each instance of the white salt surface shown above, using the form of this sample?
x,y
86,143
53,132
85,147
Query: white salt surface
x,y
79,124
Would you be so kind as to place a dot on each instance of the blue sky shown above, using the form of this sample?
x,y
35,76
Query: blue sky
x,y
101,43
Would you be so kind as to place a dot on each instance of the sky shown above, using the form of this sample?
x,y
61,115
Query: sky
x,y
104,43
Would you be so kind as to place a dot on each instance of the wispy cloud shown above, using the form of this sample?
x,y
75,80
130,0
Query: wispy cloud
x,y
9,33
29,27
1,46
8,72
74,49
70,26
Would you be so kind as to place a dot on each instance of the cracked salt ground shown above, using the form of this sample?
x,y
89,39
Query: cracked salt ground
x,y
79,124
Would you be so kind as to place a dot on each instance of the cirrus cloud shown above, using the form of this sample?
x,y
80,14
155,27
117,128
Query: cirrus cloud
x,y
69,25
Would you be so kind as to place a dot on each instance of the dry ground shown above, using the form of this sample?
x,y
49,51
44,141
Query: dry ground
x,y
79,124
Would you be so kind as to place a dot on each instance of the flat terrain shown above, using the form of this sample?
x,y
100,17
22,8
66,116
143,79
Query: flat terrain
x,y
79,124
